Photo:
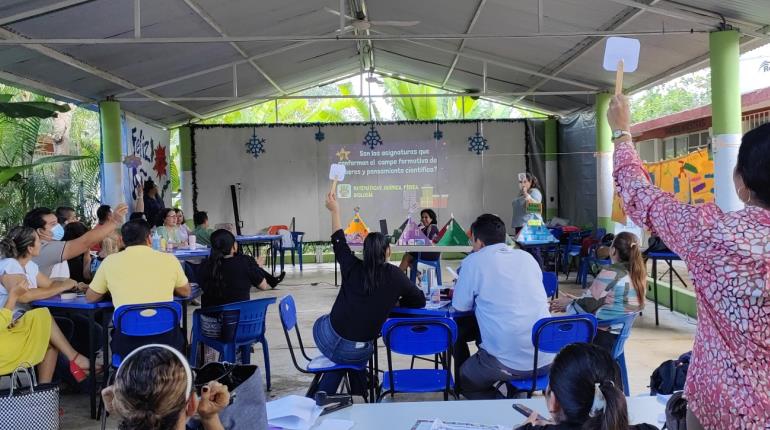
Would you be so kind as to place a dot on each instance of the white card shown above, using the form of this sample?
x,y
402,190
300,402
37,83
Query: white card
x,y
337,171
621,48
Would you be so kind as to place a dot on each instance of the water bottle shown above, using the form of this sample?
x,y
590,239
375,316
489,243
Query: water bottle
x,y
156,241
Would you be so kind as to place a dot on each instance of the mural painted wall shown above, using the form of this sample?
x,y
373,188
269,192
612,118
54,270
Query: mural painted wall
x,y
146,155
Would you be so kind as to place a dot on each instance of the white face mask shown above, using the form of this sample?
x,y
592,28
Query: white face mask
x,y
58,232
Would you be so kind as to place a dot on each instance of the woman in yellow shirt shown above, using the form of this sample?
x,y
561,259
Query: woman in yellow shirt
x,y
33,337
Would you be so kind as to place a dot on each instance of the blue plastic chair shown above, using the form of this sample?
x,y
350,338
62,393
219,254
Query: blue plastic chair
x,y
436,264
551,284
419,336
570,251
249,320
618,352
297,238
315,366
550,335
143,320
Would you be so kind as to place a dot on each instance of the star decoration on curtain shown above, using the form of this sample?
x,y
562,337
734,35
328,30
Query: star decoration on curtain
x,y
255,145
372,138
343,155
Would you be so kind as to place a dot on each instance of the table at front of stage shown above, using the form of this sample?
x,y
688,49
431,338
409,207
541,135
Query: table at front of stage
x,y
273,241
409,248
403,415
669,258
79,304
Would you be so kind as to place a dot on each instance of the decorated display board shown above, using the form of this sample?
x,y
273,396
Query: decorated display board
x,y
146,155
461,167
690,178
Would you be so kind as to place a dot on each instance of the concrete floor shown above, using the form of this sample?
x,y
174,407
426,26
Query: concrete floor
x,y
314,293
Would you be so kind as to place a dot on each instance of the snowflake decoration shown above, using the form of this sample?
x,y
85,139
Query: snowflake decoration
x,y
320,136
477,143
160,161
372,138
255,145
438,134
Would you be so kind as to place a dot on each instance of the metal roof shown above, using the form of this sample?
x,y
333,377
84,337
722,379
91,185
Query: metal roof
x,y
171,61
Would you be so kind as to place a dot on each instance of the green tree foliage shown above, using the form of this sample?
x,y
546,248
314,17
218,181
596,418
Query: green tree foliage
x,y
681,94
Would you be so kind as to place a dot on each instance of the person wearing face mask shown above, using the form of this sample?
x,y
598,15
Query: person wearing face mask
x,y
53,249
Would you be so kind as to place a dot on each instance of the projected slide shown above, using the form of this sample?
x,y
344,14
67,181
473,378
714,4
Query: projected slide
x,y
396,175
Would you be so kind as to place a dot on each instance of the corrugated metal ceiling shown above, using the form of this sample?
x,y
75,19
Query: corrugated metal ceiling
x,y
186,73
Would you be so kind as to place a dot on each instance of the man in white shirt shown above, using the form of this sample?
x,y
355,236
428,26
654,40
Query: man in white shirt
x,y
504,287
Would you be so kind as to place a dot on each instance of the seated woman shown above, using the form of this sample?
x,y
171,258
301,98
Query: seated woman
x,y
35,336
226,276
617,290
369,291
153,390
112,243
184,231
585,393
168,228
80,266
428,221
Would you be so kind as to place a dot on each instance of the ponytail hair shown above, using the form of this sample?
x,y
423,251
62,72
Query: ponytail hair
x,y
627,246
375,251
222,242
16,243
586,382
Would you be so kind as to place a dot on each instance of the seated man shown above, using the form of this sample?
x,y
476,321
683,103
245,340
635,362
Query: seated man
x,y
202,231
504,286
136,275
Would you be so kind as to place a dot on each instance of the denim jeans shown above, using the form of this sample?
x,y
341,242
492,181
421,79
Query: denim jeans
x,y
340,351
337,349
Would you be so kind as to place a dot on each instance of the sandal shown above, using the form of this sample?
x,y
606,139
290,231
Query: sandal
x,y
77,372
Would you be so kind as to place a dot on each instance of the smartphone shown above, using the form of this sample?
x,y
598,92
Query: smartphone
x,y
526,411
522,176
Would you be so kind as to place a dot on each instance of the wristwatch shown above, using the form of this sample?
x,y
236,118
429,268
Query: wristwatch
x,y
617,134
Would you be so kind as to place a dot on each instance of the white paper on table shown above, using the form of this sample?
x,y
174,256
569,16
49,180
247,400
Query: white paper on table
x,y
334,424
438,305
293,412
437,424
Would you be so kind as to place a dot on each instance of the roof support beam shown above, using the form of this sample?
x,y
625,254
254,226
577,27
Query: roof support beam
x,y
41,11
356,96
471,24
507,65
341,38
210,21
137,19
585,45
60,94
687,16
66,59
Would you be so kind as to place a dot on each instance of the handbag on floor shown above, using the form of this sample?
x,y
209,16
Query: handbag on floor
x,y
33,407
247,408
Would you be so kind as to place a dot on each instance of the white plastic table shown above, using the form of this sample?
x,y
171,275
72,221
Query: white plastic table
x,y
403,415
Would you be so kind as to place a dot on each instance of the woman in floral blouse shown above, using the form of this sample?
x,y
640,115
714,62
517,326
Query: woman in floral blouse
x,y
728,256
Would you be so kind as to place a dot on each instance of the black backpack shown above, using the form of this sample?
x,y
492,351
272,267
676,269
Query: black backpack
x,y
670,375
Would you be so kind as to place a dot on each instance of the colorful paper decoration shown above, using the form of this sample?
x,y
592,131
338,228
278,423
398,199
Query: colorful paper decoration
x,y
412,235
356,230
372,138
160,166
255,145
478,142
452,234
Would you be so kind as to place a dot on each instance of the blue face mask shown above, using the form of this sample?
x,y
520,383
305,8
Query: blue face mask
x,y
58,232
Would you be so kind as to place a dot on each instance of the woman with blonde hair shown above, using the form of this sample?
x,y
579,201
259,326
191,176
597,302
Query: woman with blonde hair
x,y
153,390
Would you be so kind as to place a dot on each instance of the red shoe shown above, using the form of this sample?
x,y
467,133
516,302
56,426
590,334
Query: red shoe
x,y
77,372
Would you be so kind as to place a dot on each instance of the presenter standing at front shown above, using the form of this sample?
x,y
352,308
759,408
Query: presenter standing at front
x,y
529,193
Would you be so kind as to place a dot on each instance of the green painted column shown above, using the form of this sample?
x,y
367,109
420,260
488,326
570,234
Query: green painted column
x,y
724,47
111,144
604,184
551,168
185,167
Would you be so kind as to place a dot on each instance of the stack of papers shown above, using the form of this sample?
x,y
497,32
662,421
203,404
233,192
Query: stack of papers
x,y
439,305
293,413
